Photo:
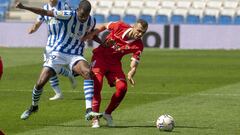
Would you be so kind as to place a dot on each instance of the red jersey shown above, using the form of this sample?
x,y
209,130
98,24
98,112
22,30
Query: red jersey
x,y
117,44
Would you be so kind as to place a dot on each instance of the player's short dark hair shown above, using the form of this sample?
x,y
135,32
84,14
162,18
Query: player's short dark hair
x,y
143,23
85,5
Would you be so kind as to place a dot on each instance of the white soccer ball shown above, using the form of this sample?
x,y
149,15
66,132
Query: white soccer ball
x,y
165,123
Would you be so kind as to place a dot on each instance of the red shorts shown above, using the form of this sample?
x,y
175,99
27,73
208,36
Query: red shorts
x,y
1,68
113,73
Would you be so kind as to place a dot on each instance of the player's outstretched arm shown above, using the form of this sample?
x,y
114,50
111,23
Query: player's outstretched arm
x,y
97,39
132,71
93,34
35,10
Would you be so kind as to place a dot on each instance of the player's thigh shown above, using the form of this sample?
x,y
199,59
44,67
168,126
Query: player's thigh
x,y
56,61
115,75
79,65
45,75
98,66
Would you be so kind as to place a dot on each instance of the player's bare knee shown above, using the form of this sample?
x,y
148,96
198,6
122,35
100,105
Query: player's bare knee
x,y
86,74
121,86
92,74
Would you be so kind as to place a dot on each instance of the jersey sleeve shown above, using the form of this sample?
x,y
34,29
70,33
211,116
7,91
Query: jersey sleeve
x,y
109,25
112,25
63,14
116,26
136,54
40,18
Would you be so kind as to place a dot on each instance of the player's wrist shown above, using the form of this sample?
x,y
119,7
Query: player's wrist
x,y
96,32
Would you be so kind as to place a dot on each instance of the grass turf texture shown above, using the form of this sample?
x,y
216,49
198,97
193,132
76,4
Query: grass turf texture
x,y
199,88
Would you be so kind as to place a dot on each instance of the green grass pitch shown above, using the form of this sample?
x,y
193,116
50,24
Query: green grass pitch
x,y
199,88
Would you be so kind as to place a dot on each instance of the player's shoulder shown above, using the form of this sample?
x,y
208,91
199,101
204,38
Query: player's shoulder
x,y
123,24
91,21
119,25
92,18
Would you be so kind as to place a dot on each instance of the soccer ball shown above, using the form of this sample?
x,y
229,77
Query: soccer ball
x,y
165,123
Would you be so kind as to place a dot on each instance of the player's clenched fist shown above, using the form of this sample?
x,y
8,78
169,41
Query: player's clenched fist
x,y
19,5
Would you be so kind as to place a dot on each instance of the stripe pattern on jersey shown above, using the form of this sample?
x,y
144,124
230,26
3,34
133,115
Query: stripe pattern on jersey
x,y
54,26
72,31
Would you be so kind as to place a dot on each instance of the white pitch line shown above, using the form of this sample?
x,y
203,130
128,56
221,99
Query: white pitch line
x,y
145,93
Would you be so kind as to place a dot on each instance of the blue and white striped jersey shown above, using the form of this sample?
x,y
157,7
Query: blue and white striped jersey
x,y
72,30
52,23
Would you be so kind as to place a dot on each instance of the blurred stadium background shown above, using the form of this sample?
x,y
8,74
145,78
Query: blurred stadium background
x,y
172,22
154,11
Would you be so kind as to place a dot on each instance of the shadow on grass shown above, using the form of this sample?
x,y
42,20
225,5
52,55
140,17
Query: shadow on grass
x,y
84,99
103,126
194,127
132,126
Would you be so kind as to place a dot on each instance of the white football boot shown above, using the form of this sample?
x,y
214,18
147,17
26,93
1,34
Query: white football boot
x,y
95,123
26,114
90,114
56,97
109,119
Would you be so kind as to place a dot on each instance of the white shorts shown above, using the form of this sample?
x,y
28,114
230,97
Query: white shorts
x,y
57,60
46,53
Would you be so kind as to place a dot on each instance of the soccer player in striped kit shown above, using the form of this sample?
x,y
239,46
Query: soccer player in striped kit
x,y
53,28
67,51
123,39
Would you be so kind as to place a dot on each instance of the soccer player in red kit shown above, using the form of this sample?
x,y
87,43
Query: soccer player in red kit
x,y
106,61
1,67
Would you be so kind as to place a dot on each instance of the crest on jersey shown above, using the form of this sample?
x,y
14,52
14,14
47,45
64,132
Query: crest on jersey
x,y
60,13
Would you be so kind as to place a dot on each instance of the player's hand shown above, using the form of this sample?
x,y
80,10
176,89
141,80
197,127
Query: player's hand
x,y
130,79
18,4
30,31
